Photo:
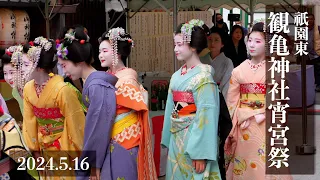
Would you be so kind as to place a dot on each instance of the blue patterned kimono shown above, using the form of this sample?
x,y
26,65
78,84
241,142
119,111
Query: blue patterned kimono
x,y
191,124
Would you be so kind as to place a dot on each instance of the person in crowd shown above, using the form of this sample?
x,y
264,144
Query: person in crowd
x,y
218,22
235,48
222,65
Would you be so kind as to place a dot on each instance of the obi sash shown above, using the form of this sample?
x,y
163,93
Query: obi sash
x,y
50,125
252,95
127,129
184,112
186,100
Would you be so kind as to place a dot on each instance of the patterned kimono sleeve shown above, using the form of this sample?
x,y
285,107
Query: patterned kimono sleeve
x,y
99,122
166,134
3,105
233,96
73,132
29,125
203,141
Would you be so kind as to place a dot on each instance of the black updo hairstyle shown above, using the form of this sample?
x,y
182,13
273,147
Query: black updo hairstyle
x,y
78,52
26,48
124,47
63,31
198,38
5,59
47,58
258,27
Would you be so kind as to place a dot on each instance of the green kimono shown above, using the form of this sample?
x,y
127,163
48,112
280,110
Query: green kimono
x,y
190,129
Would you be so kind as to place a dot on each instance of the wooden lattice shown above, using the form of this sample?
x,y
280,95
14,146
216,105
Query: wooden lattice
x,y
153,36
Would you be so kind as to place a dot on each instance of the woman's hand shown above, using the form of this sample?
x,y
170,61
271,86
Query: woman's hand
x,y
245,124
260,118
199,165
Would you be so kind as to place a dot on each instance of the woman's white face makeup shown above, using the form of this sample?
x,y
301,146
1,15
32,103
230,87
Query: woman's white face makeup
x,y
105,54
9,72
256,44
26,66
71,70
181,49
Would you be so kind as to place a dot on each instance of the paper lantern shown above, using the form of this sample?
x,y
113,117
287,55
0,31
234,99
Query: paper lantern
x,y
8,23
22,26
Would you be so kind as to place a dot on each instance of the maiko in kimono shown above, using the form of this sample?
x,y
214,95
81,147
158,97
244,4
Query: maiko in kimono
x,y
98,95
13,67
190,129
131,156
12,70
245,148
53,119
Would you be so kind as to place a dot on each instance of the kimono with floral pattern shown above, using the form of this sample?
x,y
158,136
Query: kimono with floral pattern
x,y
190,129
245,150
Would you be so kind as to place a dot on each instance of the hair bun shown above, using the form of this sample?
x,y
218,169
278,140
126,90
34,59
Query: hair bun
x,y
258,27
81,34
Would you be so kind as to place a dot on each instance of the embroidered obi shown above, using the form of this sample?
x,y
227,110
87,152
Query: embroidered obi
x,y
127,129
50,125
181,96
184,104
252,95
184,110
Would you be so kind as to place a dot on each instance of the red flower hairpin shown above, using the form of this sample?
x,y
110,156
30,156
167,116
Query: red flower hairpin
x,y
82,41
31,43
8,53
57,41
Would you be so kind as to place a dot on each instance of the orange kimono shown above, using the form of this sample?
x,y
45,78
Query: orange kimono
x,y
131,129
53,125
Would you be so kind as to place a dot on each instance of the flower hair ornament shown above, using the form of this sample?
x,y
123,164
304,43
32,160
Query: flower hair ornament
x,y
16,59
43,42
62,51
187,29
69,37
114,36
16,55
34,56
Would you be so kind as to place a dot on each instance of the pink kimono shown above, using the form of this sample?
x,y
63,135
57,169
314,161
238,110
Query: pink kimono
x,y
245,148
